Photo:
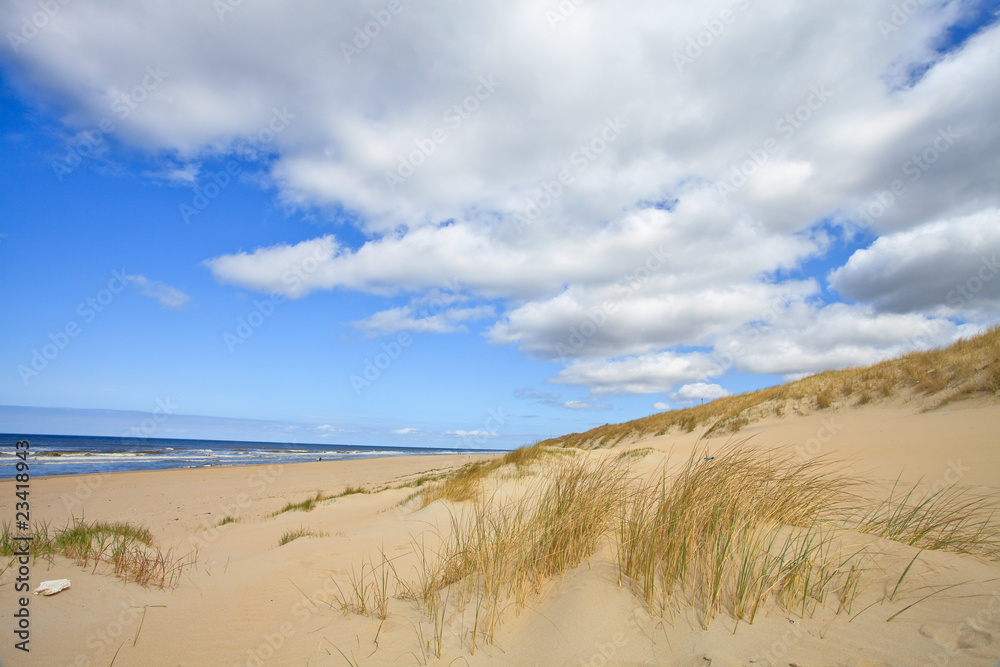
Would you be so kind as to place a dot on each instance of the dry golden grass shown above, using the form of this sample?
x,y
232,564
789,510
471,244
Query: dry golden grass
x,y
726,533
734,534
306,505
966,368
292,535
129,550
466,483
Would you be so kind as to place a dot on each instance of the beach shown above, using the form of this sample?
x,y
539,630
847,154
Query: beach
x,y
241,599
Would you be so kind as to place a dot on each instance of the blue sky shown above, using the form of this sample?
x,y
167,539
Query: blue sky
x,y
446,232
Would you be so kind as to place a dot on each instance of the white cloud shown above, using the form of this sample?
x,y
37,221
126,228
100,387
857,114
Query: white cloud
x,y
948,267
555,400
807,339
292,270
600,101
326,430
185,175
699,391
641,374
661,406
473,434
406,318
404,431
167,296
353,121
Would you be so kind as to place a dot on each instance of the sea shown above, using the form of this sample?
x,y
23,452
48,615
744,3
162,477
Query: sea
x,y
84,455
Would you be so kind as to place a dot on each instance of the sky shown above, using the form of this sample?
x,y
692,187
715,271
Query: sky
x,y
479,224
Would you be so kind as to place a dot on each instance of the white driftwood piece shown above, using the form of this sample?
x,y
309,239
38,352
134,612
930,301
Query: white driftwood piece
x,y
52,587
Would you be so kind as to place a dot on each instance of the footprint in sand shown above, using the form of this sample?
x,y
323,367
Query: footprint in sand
x,y
956,637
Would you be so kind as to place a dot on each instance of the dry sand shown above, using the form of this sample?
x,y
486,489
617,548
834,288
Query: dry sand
x,y
248,601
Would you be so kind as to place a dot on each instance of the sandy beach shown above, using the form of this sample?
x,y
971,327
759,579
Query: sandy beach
x,y
245,600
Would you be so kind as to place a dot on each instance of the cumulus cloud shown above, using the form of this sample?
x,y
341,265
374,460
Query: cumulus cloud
x,y
183,175
641,374
699,391
406,318
167,296
806,338
948,267
556,400
603,203
661,406
473,434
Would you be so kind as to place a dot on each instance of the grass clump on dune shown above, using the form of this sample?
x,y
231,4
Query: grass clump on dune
x,y
946,519
749,526
351,490
130,550
296,533
726,533
466,483
305,506
499,552
732,534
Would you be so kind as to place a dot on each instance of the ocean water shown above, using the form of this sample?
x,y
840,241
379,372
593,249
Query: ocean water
x,y
80,455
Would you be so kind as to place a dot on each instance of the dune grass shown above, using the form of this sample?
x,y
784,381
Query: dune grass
x,y
465,483
296,533
306,505
130,550
639,453
351,490
966,368
749,529
945,519
725,534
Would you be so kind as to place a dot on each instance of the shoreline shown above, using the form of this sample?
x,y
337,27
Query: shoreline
x,y
56,455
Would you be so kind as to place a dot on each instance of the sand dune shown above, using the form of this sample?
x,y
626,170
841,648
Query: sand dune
x,y
248,600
